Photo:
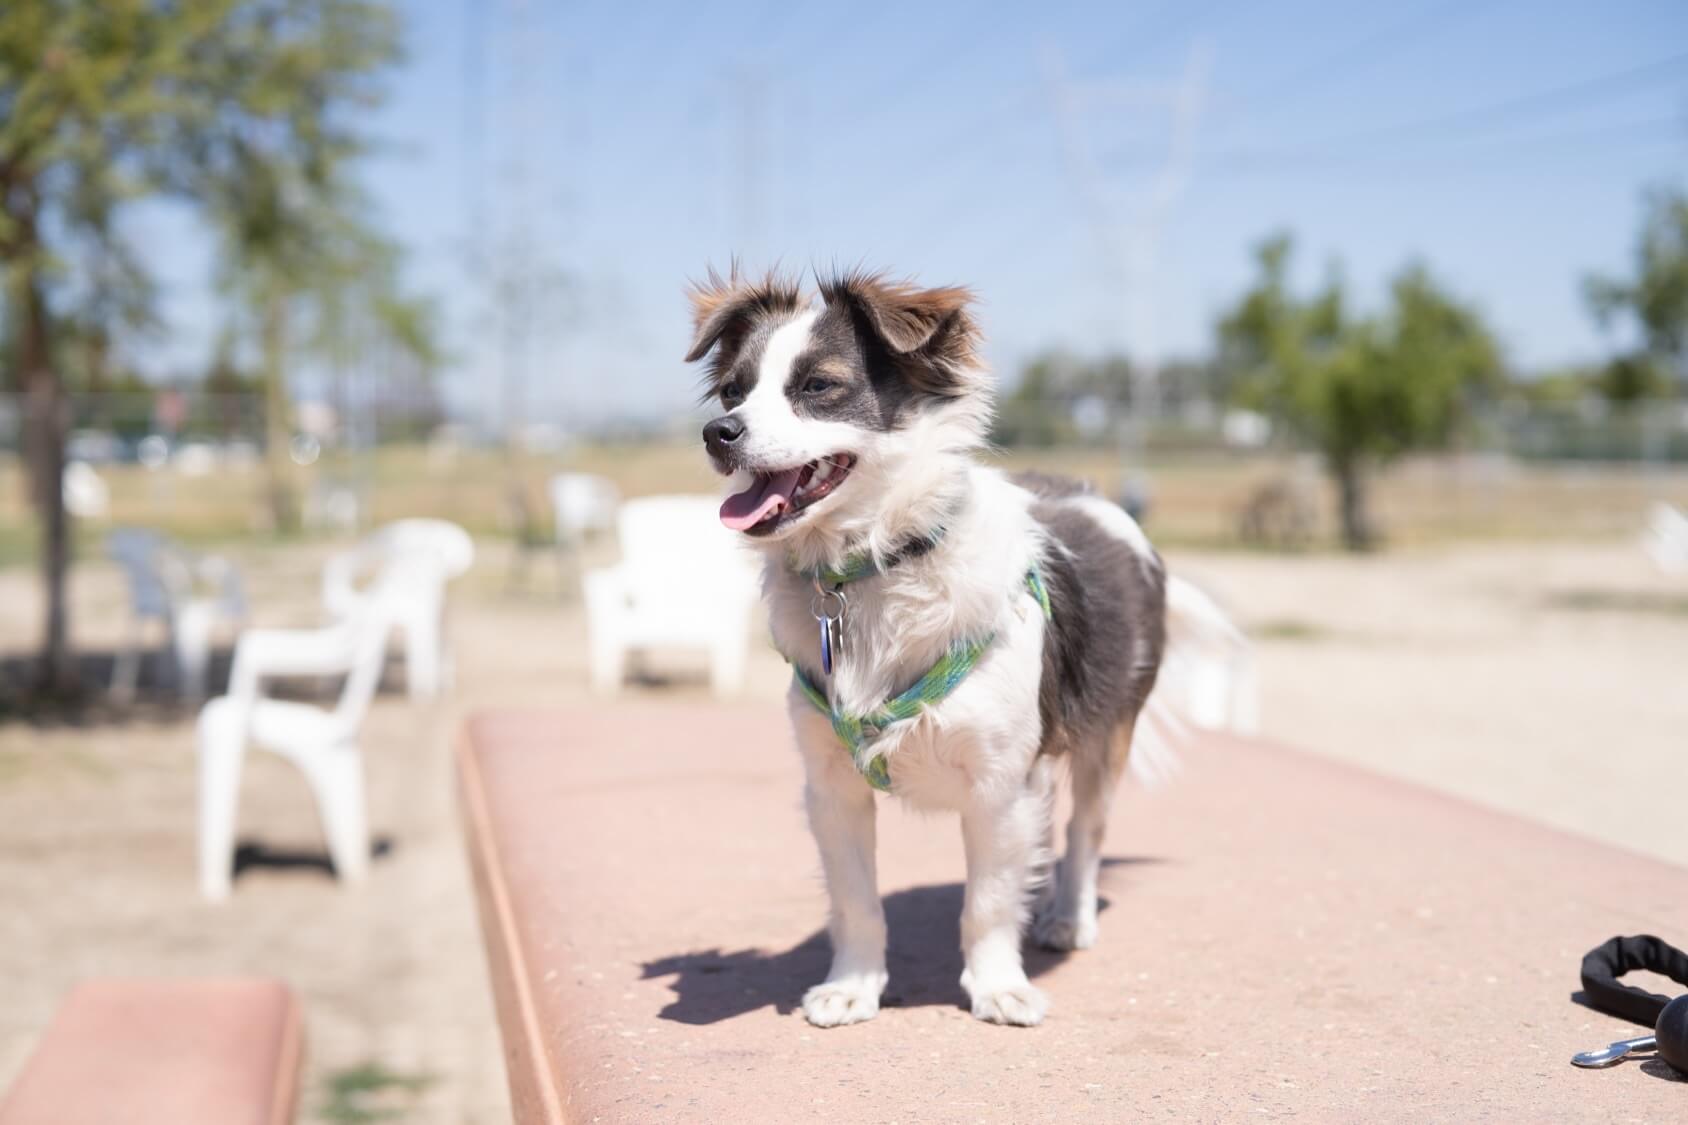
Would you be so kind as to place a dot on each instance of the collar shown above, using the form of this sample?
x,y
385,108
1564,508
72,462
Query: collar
x,y
860,565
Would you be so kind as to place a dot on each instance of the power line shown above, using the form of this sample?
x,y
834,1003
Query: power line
x,y
1527,104
1509,153
1521,108
1372,49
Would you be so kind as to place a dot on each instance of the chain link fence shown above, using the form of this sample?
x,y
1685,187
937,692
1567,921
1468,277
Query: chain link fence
x,y
195,465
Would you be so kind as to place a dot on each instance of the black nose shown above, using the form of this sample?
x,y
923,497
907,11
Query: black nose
x,y
719,435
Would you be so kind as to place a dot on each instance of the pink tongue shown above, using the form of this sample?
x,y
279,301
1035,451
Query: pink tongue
x,y
744,510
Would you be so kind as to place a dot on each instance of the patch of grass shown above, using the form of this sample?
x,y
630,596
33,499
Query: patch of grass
x,y
1620,601
15,765
369,1092
1288,629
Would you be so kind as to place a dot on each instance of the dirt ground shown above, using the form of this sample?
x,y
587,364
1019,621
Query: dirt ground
x,y
1547,680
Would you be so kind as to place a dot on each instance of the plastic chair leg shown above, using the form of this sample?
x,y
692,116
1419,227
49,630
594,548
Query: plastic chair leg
x,y
726,668
222,750
125,671
422,659
608,663
192,642
336,777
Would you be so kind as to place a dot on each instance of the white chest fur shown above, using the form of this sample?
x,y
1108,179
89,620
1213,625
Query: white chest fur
x,y
982,737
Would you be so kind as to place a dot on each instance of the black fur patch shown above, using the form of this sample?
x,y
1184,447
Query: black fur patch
x,y
1103,647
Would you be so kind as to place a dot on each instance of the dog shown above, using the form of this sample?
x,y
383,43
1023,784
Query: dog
x,y
1029,614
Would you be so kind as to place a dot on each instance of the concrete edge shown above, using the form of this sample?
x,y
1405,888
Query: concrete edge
x,y
290,1066
532,1081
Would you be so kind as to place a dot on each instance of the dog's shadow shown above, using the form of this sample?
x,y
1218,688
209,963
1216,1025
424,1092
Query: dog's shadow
x,y
923,956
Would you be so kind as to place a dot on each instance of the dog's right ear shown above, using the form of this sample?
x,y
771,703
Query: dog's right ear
x,y
722,308
716,304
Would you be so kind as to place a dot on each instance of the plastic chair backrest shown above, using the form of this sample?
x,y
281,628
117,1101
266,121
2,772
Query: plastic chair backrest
x,y
444,545
142,555
582,502
371,623
679,541
1667,521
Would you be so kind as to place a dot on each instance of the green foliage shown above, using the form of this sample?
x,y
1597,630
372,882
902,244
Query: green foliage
x,y
1560,387
1655,302
1362,390
1356,387
240,108
1633,378
370,1092
1047,405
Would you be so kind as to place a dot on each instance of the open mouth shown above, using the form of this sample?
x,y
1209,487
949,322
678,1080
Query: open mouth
x,y
775,499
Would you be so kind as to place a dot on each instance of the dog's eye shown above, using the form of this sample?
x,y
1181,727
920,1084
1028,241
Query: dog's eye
x,y
817,386
731,394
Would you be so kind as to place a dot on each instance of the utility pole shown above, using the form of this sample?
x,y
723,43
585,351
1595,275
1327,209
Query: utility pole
x,y
515,268
748,178
1129,228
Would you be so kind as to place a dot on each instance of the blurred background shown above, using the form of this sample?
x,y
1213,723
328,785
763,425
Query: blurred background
x,y
1376,315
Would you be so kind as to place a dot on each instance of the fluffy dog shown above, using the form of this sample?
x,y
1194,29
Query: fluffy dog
x,y
1029,614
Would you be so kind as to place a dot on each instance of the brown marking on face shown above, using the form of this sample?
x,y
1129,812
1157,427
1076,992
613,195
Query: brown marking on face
x,y
929,332
834,368
725,309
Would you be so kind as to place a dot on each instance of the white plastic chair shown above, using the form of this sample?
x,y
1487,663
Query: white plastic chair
x,y
683,582
1666,538
188,595
432,553
1210,667
582,504
86,495
322,743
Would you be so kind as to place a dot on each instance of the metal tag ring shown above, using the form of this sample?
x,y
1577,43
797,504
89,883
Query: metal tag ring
x,y
819,601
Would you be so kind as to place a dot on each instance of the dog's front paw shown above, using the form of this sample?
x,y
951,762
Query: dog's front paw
x,y
849,999
1016,1002
1060,932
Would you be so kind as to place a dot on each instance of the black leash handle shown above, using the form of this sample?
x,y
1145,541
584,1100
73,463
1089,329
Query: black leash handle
x,y
1606,963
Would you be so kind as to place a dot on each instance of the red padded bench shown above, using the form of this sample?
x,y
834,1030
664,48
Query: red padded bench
x,y
164,1052
1287,937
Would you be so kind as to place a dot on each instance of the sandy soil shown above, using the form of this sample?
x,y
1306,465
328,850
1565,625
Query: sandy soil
x,y
1544,680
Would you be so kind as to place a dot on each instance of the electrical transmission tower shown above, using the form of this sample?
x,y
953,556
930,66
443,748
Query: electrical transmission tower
x,y
1128,226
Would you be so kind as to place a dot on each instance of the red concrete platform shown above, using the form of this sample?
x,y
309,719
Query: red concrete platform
x,y
164,1052
1284,936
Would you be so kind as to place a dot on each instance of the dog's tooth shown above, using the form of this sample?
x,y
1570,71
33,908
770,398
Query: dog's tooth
x,y
823,469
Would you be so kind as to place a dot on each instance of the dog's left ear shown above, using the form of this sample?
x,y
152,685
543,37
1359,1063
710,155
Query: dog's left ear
x,y
929,329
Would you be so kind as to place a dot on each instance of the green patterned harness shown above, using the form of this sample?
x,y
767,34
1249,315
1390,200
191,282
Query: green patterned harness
x,y
857,732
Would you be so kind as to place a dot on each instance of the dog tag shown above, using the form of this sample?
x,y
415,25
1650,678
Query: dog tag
x,y
827,608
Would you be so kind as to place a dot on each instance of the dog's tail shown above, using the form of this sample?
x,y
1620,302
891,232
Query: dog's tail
x,y
1207,679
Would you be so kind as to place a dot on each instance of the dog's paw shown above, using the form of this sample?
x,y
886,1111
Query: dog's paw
x,y
850,999
1023,1005
1015,1002
1057,931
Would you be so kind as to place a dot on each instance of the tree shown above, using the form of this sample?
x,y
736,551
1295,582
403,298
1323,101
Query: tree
x,y
1655,302
1360,390
1040,410
103,102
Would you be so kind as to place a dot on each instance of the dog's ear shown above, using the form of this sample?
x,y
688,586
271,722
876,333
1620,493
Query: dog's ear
x,y
717,303
722,308
930,330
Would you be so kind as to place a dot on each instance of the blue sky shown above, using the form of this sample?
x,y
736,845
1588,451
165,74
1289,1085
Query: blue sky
x,y
614,149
